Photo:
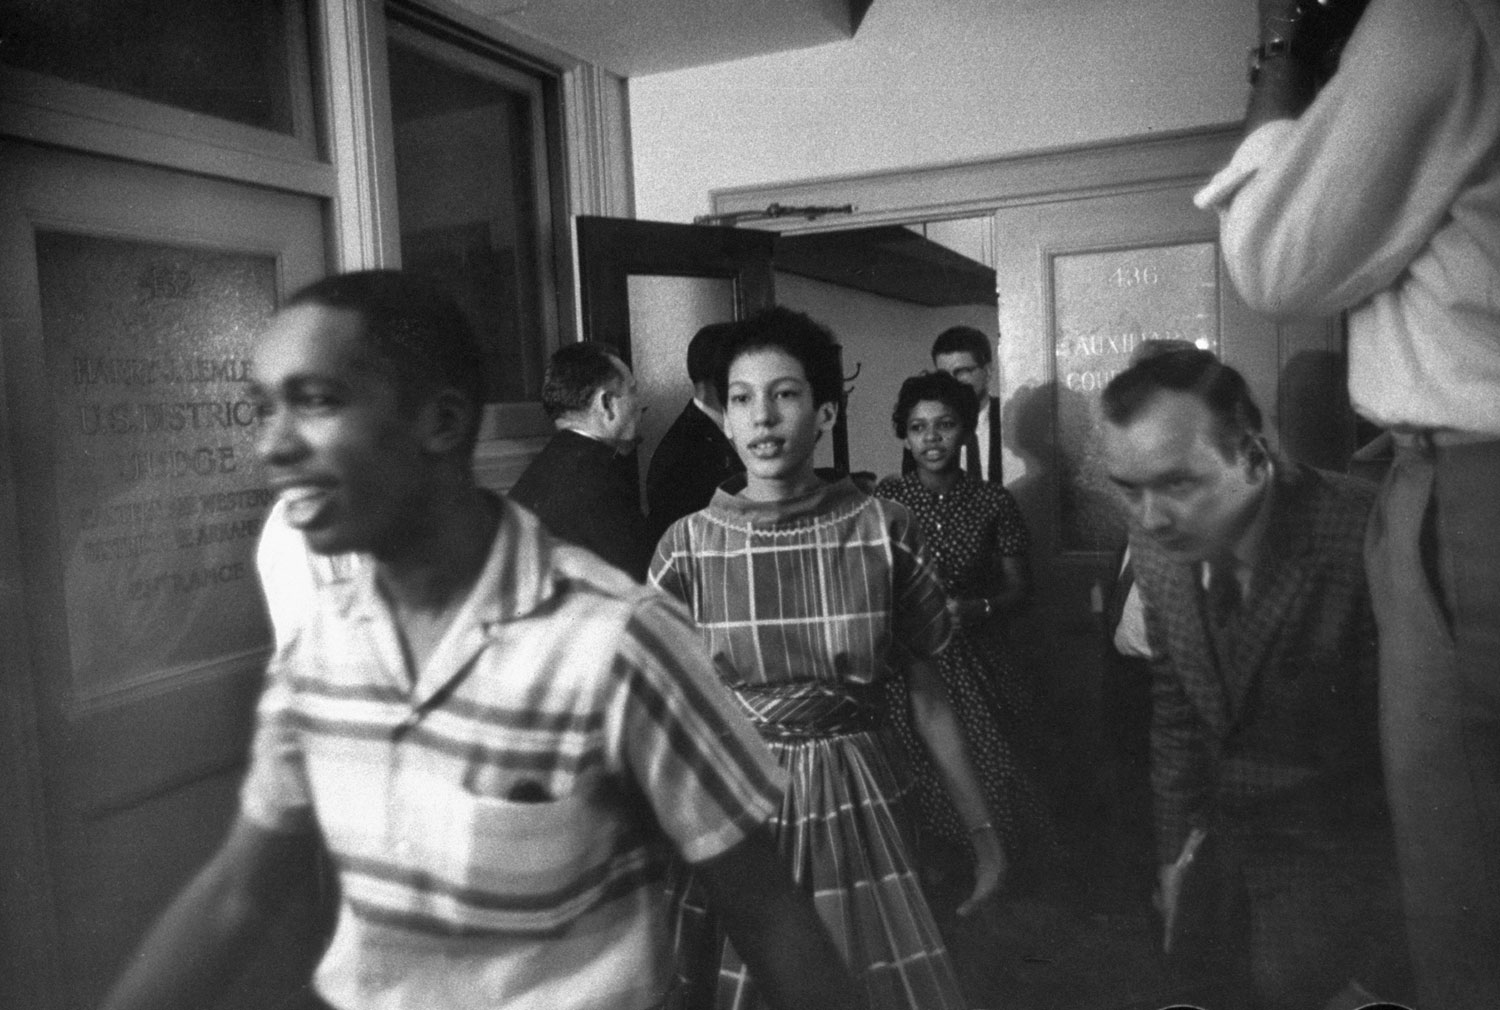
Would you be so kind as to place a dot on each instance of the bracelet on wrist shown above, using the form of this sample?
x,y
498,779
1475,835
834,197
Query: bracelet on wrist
x,y
982,828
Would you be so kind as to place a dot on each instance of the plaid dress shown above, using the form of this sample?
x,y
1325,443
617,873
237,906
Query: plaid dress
x,y
804,605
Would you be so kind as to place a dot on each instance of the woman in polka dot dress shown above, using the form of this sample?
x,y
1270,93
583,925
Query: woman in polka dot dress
x,y
979,540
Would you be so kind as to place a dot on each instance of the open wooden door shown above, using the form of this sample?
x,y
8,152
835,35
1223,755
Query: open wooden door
x,y
130,502
619,261
648,286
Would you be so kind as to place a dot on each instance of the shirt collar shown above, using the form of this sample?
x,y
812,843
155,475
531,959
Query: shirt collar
x,y
708,412
587,434
517,577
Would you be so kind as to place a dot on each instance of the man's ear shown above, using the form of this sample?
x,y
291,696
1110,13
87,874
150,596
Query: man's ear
x,y
446,420
1257,455
605,406
827,414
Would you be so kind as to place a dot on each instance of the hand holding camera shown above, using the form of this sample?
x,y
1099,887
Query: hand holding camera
x,y
1311,33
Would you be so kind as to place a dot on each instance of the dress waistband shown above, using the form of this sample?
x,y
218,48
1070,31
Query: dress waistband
x,y
804,709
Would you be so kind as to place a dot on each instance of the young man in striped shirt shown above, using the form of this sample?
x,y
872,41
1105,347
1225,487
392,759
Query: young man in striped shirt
x,y
499,741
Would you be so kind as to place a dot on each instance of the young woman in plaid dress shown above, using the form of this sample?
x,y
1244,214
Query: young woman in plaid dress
x,y
810,595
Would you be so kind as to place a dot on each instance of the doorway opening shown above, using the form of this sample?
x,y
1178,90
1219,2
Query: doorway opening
x,y
887,291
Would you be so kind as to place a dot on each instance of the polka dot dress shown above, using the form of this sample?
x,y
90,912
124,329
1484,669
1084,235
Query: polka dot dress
x,y
968,530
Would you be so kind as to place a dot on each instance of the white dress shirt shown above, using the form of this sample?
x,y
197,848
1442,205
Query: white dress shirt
x,y
1383,198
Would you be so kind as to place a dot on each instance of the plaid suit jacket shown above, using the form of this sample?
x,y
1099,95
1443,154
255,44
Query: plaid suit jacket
x,y
1277,731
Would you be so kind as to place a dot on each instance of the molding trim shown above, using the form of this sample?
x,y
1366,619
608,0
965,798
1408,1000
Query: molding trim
x,y
972,188
62,113
596,146
364,232
596,118
497,30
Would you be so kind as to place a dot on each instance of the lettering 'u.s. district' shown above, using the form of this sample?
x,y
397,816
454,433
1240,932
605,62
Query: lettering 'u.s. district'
x,y
135,418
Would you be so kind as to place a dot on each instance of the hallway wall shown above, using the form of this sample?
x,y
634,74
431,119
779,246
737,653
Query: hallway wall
x,y
927,82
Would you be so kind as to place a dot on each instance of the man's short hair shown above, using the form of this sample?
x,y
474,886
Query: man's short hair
x,y
417,335
795,333
575,373
956,339
943,388
1151,348
1198,373
703,351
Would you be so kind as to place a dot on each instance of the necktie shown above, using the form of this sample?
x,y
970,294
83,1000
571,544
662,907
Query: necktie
x,y
1223,591
972,465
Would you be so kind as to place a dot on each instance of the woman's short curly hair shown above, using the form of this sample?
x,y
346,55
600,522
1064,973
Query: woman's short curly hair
x,y
781,329
943,388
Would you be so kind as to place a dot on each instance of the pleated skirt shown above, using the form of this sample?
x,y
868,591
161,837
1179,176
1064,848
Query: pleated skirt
x,y
841,831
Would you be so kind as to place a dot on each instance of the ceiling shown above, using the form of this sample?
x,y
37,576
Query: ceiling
x,y
637,37
889,260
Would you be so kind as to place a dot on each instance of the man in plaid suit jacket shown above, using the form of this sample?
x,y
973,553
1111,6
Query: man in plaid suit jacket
x,y
1264,728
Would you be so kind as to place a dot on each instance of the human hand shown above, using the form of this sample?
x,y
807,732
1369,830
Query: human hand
x,y
1165,898
968,612
956,611
990,865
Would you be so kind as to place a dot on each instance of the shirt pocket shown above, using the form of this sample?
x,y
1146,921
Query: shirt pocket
x,y
537,864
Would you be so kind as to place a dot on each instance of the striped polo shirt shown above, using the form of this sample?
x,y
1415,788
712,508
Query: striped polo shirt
x,y
501,822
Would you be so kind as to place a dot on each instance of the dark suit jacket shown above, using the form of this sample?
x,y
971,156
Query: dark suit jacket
x,y
908,464
1282,736
692,459
584,492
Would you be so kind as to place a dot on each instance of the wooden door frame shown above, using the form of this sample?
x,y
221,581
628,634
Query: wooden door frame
x,y
610,250
975,188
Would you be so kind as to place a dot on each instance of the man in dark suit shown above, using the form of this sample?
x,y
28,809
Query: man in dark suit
x,y
1264,730
964,353
582,485
693,458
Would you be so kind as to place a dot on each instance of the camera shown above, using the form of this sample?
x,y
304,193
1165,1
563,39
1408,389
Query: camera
x,y
1322,28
